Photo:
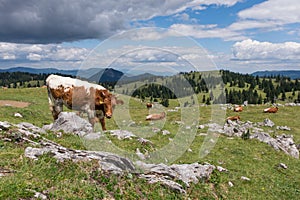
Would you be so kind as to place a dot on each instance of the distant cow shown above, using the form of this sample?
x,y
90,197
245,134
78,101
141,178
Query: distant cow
x,y
271,110
233,118
156,116
75,94
149,105
238,109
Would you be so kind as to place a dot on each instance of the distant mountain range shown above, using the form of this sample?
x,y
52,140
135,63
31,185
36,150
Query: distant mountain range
x,y
92,74
112,75
293,74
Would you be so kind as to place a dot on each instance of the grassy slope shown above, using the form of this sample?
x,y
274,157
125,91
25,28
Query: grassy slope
x,y
248,158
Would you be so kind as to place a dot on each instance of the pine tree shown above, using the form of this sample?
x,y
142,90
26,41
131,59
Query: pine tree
x,y
283,96
208,101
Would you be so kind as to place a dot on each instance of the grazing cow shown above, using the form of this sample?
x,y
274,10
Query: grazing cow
x,y
149,105
75,94
238,109
233,118
156,116
271,110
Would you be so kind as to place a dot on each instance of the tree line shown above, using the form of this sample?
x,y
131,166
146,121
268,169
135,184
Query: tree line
x,y
238,87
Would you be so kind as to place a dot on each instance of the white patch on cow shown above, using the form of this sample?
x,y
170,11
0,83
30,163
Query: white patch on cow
x,y
54,81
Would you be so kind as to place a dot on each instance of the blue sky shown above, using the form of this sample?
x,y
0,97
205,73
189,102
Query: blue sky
x,y
238,35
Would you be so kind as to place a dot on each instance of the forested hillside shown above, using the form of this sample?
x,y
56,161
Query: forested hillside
x,y
238,87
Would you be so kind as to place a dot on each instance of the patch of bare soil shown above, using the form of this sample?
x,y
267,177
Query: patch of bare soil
x,y
18,104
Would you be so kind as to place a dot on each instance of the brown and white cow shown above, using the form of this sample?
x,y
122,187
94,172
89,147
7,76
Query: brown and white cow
x,y
271,110
156,116
238,108
75,94
233,118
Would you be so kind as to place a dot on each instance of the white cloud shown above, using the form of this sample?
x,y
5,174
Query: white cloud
x,y
49,52
252,24
34,57
6,56
255,50
207,31
276,11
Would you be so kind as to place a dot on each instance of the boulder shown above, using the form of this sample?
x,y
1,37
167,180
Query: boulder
x,y
268,122
69,122
284,143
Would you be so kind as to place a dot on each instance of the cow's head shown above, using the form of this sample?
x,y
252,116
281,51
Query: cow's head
x,y
104,98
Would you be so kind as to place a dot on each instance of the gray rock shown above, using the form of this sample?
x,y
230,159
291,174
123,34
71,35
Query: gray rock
x,y
230,184
151,178
144,141
188,173
245,178
284,143
221,169
268,122
69,122
4,125
166,132
201,126
18,115
91,136
282,165
108,162
122,134
284,128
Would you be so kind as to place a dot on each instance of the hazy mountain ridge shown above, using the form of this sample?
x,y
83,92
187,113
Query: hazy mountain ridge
x,y
293,74
91,74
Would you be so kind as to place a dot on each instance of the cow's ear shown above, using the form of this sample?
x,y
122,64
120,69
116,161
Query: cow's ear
x,y
103,94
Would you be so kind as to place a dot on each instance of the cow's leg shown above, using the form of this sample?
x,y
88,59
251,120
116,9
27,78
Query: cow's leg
x,y
102,121
56,108
91,116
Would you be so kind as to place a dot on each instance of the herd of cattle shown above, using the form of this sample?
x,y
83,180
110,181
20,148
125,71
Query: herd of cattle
x,y
95,100
239,108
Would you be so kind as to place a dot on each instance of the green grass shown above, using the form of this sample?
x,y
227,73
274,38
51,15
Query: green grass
x,y
83,180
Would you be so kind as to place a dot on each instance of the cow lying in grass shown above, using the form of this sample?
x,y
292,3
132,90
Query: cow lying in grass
x,y
156,116
233,118
238,109
271,110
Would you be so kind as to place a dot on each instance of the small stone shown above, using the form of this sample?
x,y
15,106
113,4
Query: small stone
x,y
282,165
201,126
166,132
230,184
221,169
18,115
245,178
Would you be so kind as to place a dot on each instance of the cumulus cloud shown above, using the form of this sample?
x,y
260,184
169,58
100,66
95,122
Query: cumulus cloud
x,y
154,58
279,11
46,52
207,31
255,50
268,16
56,21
